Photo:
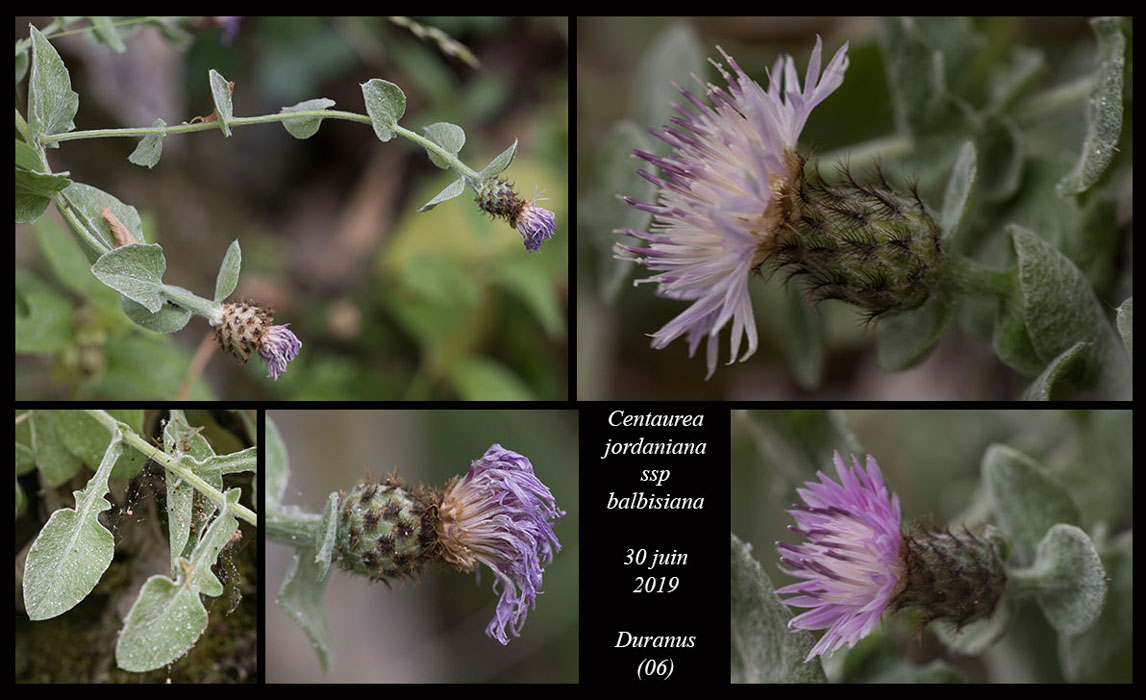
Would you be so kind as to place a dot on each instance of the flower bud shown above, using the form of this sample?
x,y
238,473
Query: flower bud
x,y
868,245
950,576
386,531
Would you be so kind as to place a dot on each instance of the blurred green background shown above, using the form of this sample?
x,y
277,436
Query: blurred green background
x,y
931,460
389,303
626,71
433,631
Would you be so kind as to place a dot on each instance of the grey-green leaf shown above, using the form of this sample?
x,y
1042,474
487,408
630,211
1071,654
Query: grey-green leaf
x,y
135,271
602,213
168,319
88,439
221,94
278,463
1060,309
1109,642
916,70
168,617
106,33
1103,109
55,461
52,105
675,54
164,622
385,103
452,190
1060,376
301,597
184,442
450,137
1068,579
34,191
89,203
960,191
228,277
764,650
327,534
1026,498
500,163
1125,321
220,465
150,147
73,550
305,128
804,341
906,339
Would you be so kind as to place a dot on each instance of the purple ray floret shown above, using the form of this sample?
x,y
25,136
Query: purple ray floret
x,y
850,561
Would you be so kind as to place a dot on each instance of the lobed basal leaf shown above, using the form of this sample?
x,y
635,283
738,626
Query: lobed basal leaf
x,y
73,549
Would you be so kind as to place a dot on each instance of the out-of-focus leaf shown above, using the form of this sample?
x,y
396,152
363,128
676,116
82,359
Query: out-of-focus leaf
x,y
1103,109
55,461
764,650
43,316
960,193
673,56
906,339
1026,497
480,378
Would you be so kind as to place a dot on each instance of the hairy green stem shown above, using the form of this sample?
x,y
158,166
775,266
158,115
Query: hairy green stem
x,y
172,464
291,525
453,160
968,275
189,300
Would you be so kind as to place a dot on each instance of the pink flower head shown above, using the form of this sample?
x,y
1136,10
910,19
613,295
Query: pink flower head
x,y
719,205
501,515
851,561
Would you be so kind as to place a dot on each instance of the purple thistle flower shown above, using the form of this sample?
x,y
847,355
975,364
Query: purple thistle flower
x,y
243,328
851,563
501,515
536,225
722,196
497,198
230,27
278,347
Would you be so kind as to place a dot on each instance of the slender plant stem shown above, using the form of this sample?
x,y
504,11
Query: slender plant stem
x,y
189,300
422,141
968,275
172,464
291,525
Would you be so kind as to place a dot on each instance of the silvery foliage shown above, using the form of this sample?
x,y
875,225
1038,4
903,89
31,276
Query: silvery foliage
x,y
1079,581
74,549
136,270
